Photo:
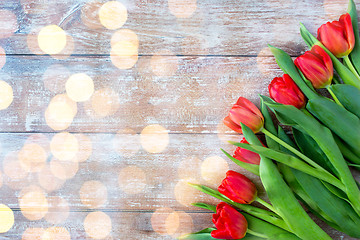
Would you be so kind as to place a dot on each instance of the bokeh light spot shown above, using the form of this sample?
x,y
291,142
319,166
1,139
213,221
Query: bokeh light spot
x,y
185,194
154,138
6,95
90,14
56,233
60,112
6,218
105,102
124,54
213,170
48,181
85,147
63,169
182,8
113,15
33,234
32,157
126,35
158,220
12,167
33,205
52,39
93,194
64,146
132,180
79,87
97,225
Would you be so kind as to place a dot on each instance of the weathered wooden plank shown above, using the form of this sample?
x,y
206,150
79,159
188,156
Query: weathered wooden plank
x,y
215,27
124,225
126,171
187,94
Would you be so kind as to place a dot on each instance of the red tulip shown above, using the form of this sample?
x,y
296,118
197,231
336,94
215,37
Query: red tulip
x,y
229,222
238,188
285,91
244,111
317,67
245,155
338,36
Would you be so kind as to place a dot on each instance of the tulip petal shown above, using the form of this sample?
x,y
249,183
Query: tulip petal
x,y
230,124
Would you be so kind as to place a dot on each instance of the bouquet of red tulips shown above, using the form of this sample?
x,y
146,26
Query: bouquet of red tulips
x,y
312,166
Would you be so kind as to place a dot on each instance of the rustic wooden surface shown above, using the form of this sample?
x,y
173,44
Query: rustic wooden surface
x,y
195,58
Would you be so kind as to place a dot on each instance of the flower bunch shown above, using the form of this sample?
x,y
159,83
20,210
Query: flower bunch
x,y
312,167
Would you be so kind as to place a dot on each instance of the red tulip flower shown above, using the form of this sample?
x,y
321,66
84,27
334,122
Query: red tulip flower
x,y
245,155
229,222
338,36
238,188
244,111
317,67
285,91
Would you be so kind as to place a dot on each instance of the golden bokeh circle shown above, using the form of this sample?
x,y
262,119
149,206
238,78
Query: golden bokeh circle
x,y
32,157
93,194
63,170
97,225
213,170
67,50
113,15
158,220
56,233
85,147
182,8
185,194
12,167
132,180
8,23
79,87
105,102
178,224
126,35
33,234
64,146
60,112
48,181
6,95
6,218
154,138
52,39
33,205
124,54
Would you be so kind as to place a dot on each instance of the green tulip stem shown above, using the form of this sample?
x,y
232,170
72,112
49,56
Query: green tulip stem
x,y
293,150
334,96
265,204
256,234
351,66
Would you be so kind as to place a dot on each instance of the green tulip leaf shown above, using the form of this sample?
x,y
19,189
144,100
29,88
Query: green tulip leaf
x,y
205,206
349,97
201,235
284,201
355,53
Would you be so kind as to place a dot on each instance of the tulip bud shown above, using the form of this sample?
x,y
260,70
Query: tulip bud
x,y
244,111
338,36
285,91
245,155
238,188
229,223
317,67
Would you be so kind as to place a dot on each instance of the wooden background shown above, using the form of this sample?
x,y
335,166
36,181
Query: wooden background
x,y
146,130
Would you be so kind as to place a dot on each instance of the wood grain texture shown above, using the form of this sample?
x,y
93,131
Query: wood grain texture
x,y
193,98
216,27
